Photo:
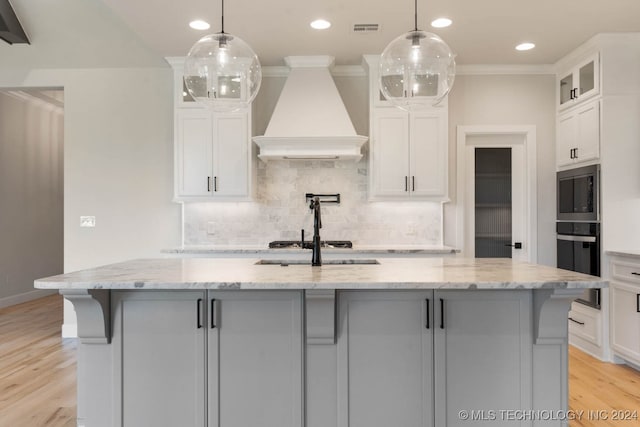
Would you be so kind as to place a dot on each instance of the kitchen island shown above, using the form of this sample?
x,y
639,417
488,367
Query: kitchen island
x,y
402,342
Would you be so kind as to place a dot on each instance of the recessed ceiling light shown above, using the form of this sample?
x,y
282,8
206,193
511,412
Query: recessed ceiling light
x,y
199,25
525,46
320,24
441,22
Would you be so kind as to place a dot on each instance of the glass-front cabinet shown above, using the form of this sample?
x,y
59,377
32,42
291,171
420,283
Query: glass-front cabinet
x,y
579,83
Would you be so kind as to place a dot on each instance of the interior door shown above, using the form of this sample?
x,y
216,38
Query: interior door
x,y
496,219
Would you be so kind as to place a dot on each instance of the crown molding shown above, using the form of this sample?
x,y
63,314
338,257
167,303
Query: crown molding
x,y
361,70
504,69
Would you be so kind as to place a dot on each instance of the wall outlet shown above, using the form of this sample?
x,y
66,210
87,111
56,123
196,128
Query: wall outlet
x,y
88,221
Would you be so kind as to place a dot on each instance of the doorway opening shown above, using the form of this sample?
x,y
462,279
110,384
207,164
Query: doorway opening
x,y
496,206
31,190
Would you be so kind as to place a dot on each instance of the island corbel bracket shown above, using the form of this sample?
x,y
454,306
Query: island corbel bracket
x,y
550,312
93,308
320,307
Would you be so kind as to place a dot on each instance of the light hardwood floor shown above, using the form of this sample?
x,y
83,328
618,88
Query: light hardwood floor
x,y
37,367
38,374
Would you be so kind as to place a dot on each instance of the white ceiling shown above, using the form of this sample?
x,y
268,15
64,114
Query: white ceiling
x,y
483,31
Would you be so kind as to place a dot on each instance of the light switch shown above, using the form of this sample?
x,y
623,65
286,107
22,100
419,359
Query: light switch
x,y
88,221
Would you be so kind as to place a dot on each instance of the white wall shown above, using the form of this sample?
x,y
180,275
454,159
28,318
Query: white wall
x,y
118,155
31,186
510,100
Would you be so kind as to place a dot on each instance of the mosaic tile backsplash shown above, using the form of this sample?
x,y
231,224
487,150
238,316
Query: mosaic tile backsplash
x,y
280,210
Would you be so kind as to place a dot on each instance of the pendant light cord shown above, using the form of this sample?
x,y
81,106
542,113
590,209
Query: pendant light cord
x,y
222,18
415,9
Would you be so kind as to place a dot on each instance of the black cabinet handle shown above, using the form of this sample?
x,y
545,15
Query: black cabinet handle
x,y
406,183
428,314
213,313
441,313
208,183
635,274
413,183
573,93
575,153
637,303
575,321
199,313
215,183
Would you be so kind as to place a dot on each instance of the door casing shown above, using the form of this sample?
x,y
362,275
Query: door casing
x,y
522,141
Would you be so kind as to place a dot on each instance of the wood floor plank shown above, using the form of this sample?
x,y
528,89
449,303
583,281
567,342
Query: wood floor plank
x,y
38,374
37,367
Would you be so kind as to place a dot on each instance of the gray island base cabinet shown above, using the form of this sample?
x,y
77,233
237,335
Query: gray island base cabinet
x,y
249,375
419,358
408,342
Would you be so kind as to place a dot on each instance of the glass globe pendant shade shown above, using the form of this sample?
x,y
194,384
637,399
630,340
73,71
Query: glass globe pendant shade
x,y
417,70
222,72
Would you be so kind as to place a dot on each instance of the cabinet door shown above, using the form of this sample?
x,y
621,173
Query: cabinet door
x,y
565,88
390,153
159,341
194,153
588,118
231,154
255,359
428,153
580,83
385,359
588,77
483,345
625,319
566,139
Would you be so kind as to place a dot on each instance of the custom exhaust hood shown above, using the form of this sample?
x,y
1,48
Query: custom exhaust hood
x,y
310,120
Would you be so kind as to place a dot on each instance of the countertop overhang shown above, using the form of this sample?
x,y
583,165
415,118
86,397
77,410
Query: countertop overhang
x,y
261,250
390,273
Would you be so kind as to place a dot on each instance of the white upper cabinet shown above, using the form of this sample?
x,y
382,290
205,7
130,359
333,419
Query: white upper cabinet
x,y
213,151
213,156
579,83
578,135
408,155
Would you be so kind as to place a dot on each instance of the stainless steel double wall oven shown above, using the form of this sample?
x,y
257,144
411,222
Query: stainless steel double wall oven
x,y
578,225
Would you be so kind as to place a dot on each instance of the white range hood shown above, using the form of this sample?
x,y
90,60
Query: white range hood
x,y
310,120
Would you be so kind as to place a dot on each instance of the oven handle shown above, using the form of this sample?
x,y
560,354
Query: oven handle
x,y
589,239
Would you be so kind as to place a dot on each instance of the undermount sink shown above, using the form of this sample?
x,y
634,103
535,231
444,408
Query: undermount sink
x,y
286,262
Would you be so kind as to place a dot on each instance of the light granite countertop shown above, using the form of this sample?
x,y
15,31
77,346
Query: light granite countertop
x,y
390,273
632,253
261,250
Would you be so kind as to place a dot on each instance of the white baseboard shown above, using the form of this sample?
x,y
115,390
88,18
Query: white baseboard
x,y
27,296
70,331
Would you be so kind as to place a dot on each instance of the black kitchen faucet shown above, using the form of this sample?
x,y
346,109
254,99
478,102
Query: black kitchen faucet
x,y
316,258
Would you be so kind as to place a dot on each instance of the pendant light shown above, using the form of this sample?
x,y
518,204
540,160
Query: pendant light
x,y
222,72
417,69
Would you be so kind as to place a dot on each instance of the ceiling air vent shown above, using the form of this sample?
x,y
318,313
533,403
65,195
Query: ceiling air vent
x,y
365,28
